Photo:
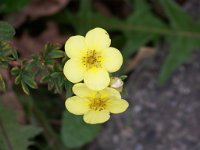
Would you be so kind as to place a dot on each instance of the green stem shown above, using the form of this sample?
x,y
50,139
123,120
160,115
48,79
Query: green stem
x,y
145,29
128,26
50,135
6,136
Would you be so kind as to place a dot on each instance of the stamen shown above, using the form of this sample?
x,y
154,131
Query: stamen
x,y
92,59
98,103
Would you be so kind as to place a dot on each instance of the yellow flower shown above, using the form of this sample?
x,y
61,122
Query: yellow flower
x,y
91,59
96,106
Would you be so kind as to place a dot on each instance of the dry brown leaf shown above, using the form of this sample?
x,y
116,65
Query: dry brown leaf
x,y
102,8
28,45
143,53
36,9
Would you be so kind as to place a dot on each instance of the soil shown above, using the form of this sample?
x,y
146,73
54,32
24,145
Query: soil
x,y
158,118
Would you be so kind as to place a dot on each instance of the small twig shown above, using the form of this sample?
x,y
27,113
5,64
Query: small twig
x,y
15,63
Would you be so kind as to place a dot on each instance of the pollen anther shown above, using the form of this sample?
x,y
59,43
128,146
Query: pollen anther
x,y
92,59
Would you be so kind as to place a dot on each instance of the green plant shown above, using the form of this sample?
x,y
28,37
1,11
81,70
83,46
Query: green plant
x,y
142,26
43,68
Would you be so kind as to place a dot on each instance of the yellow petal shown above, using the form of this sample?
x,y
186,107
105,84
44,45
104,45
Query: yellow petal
x,y
74,70
112,59
77,105
82,90
96,79
94,117
117,105
97,39
110,92
75,46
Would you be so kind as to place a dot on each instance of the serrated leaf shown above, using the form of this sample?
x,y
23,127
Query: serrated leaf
x,y
181,47
180,50
140,36
6,31
14,136
2,84
75,133
180,20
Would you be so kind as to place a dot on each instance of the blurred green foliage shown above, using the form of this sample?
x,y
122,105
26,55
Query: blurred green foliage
x,y
186,41
14,136
142,26
6,31
7,6
44,66
2,84
75,132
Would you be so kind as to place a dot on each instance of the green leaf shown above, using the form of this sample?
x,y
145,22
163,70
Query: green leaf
x,y
29,80
45,79
181,47
6,53
55,74
2,84
14,136
6,31
123,77
68,88
180,50
15,71
86,19
7,6
179,19
55,54
18,79
25,88
31,83
49,47
139,21
14,53
75,133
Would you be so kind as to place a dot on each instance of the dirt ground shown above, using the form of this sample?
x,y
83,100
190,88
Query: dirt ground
x,y
159,118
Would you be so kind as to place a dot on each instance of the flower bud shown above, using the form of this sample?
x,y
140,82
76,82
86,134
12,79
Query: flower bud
x,y
116,83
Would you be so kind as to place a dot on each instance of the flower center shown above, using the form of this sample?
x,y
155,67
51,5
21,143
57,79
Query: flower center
x,y
92,59
98,103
